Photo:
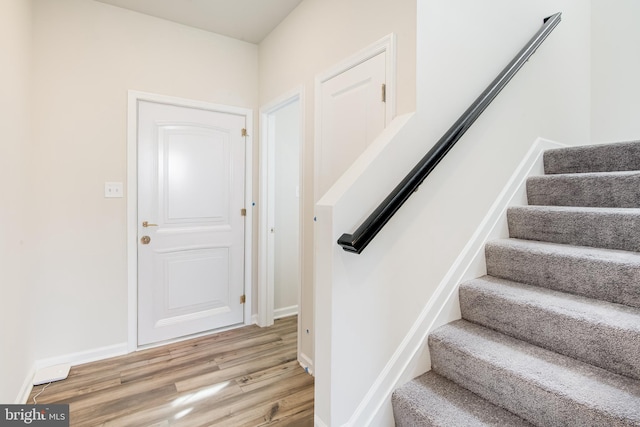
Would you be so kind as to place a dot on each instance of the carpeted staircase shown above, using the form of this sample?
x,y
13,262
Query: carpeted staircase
x,y
551,336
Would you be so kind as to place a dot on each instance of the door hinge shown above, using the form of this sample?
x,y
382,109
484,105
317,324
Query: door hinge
x,y
243,212
243,299
384,92
244,132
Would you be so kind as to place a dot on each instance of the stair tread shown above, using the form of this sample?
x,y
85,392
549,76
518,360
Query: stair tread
x,y
575,306
606,189
612,228
608,274
616,256
594,210
582,175
602,333
515,368
593,158
432,400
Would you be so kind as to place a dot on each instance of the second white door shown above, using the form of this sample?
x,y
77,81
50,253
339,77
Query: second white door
x,y
353,113
191,195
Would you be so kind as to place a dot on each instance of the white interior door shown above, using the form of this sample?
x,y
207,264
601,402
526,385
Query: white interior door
x,y
353,113
191,188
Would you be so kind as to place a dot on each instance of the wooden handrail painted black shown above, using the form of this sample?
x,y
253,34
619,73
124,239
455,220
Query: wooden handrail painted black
x,y
363,235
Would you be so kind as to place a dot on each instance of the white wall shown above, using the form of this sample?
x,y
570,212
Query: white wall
x,y
317,35
87,55
287,206
368,303
16,356
615,65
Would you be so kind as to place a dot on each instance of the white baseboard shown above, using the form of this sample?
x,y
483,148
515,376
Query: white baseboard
x,y
306,362
26,388
84,356
406,362
72,359
317,422
280,313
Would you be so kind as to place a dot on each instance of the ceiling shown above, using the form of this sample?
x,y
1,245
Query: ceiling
x,y
247,20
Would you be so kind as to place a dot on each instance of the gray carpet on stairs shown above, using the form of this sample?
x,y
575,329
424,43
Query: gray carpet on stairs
x,y
597,332
611,228
607,190
521,377
551,336
432,400
623,156
606,274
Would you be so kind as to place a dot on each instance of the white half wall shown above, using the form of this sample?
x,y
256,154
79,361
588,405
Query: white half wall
x,y
16,356
87,55
368,303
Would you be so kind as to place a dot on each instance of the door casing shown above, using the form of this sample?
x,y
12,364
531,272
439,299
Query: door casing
x,y
132,202
265,258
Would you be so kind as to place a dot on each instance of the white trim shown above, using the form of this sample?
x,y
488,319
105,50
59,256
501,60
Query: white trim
x,y
266,290
317,422
386,45
72,359
132,200
82,357
283,312
306,362
27,386
413,345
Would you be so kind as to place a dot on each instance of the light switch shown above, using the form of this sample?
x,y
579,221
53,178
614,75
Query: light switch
x,y
113,189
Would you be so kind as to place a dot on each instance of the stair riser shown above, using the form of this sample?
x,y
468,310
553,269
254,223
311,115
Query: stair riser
x,y
507,389
602,279
618,191
593,158
612,230
604,345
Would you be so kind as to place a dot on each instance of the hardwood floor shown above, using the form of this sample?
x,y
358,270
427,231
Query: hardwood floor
x,y
244,377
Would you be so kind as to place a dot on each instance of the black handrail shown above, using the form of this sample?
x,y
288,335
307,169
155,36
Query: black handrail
x,y
363,235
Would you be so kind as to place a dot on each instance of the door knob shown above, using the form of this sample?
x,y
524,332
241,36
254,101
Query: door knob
x,y
145,240
146,224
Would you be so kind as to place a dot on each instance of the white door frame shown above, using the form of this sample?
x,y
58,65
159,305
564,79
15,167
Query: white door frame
x,y
387,45
132,200
266,247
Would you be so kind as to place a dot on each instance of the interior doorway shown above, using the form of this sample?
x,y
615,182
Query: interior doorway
x,y
280,269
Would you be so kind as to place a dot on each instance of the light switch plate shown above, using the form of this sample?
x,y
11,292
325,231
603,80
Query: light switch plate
x,y
113,189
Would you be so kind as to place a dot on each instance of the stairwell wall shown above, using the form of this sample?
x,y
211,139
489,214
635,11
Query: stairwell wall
x,y
615,64
369,303
16,356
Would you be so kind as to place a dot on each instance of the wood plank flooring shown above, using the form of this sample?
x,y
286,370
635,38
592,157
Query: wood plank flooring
x,y
244,377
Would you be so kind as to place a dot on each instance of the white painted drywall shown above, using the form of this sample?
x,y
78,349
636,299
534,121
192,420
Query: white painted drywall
x,y
87,55
615,67
287,206
16,356
368,303
316,36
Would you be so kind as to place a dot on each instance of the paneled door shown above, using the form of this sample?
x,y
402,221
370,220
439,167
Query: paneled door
x,y
191,224
353,115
